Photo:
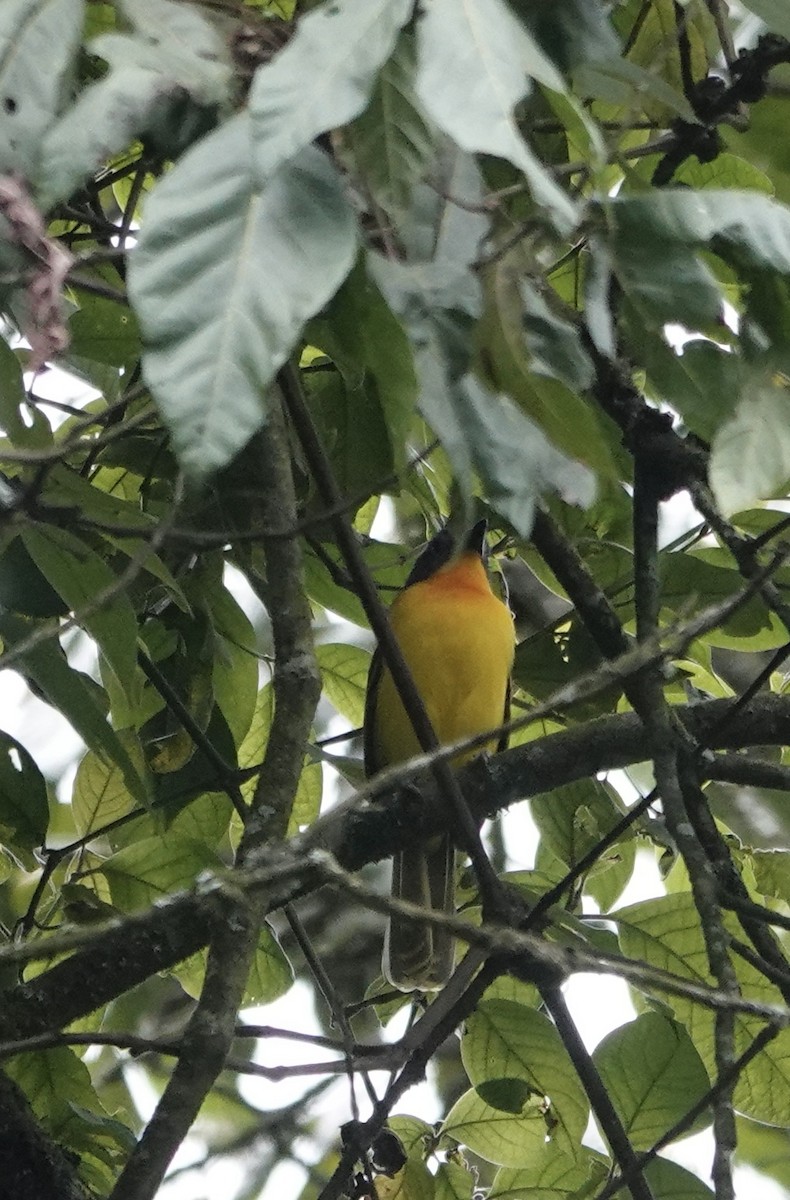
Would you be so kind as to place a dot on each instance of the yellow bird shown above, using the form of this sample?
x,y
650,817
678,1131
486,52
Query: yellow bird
x,y
458,641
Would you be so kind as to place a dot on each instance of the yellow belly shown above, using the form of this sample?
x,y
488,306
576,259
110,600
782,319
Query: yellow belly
x,y
459,646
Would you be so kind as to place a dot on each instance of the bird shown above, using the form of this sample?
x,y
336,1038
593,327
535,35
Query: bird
x,y
458,640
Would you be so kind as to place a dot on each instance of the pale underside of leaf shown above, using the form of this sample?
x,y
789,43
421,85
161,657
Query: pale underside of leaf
x,y
37,41
475,61
323,77
224,277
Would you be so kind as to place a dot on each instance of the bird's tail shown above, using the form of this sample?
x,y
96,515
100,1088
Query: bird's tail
x,y
420,957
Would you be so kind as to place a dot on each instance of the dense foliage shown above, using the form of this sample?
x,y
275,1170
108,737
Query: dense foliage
x,y
320,280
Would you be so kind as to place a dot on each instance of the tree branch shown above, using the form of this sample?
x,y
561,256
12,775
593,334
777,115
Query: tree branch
x,y
297,684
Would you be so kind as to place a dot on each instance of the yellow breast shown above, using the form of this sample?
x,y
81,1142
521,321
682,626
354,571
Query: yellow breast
x,y
458,640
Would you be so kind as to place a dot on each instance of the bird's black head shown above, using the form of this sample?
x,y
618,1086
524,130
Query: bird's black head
x,y
441,549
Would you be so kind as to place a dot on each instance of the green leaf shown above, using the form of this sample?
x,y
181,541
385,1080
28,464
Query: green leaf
x,y
235,666
554,342
773,12
344,671
611,874
668,1181
177,41
309,791
171,52
54,1081
759,144
454,1181
38,41
362,336
574,33
653,1076
66,487
652,70
307,801
503,1138
666,933
750,456
58,1086
413,1182
80,577
100,794
205,819
508,1042
12,396
709,574
385,561
154,868
573,819
513,458
271,974
438,297
253,747
702,382
555,1179
662,279
346,409
725,171
390,140
566,418
414,1134
212,248
292,102
104,330
653,233
475,59
764,1149
24,808
73,695
772,872
104,119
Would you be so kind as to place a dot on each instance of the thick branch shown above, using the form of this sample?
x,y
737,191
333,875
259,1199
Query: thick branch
x,y
297,685
113,958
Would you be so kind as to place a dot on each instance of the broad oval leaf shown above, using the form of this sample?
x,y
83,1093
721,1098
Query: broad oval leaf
x,y
256,739
151,869
223,278
322,78
38,39
454,1181
475,59
100,794
750,456
507,1139
390,140
753,223
271,974
513,457
775,13
24,809
666,933
74,695
653,233
82,579
172,50
653,1075
556,1179
505,1041
344,671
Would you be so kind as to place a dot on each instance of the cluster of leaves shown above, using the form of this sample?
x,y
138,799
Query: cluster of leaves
x,y
448,240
